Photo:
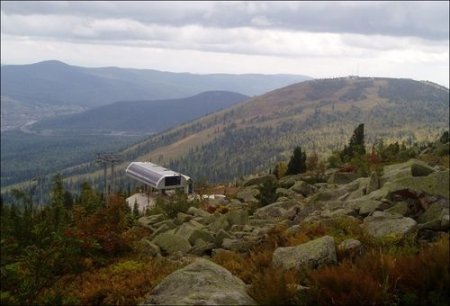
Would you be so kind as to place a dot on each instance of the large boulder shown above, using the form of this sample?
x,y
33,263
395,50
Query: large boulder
x,y
172,243
435,183
311,254
200,283
382,224
412,167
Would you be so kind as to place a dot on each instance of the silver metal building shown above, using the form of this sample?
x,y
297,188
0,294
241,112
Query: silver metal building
x,y
158,177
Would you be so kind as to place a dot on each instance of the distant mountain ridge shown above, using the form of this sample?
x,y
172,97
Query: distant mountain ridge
x,y
140,117
57,83
318,114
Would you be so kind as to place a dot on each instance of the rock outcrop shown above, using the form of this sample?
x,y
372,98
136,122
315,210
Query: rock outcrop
x,y
200,283
311,254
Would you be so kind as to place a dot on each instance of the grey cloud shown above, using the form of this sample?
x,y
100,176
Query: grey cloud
x,y
428,20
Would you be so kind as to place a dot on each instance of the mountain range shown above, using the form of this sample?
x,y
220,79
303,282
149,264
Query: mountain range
x,y
139,117
56,83
318,115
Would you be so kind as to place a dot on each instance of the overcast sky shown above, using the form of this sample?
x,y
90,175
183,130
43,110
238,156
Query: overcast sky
x,y
319,39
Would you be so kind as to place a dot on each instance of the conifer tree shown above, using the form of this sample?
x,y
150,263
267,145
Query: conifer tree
x,y
356,145
297,163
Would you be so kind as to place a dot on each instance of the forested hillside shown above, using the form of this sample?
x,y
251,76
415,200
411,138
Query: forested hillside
x,y
139,117
318,115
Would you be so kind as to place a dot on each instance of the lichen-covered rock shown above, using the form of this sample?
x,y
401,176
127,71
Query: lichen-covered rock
x,y
283,192
340,178
148,248
172,243
303,188
219,222
200,283
434,217
242,244
237,216
400,208
373,183
147,221
248,195
198,212
403,170
260,180
350,245
289,180
311,254
274,210
220,236
382,224
421,170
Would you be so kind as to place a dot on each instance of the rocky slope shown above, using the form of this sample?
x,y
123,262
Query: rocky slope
x,y
406,198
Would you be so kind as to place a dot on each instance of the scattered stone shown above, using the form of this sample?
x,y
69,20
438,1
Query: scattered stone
x,y
220,236
311,254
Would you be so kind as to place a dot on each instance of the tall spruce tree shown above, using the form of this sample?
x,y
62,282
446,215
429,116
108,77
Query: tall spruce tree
x,y
356,145
297,163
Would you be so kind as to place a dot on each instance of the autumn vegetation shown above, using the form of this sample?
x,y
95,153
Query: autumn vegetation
x,y
84,249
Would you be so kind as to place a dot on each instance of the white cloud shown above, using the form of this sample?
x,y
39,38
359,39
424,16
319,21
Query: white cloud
x,y
318,39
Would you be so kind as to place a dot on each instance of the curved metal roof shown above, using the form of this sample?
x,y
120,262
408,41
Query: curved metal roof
x,y
150,174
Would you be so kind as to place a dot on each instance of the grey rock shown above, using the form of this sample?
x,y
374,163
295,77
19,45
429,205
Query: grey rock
x,y
146,221
148,248
303,188
220,222
283,192
198,212
382,224
237,216
172,243
242,244
259,180
434,212
311,254
220,236
421,170
400,208
373,183
248,195
200,283
350,245
340,178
